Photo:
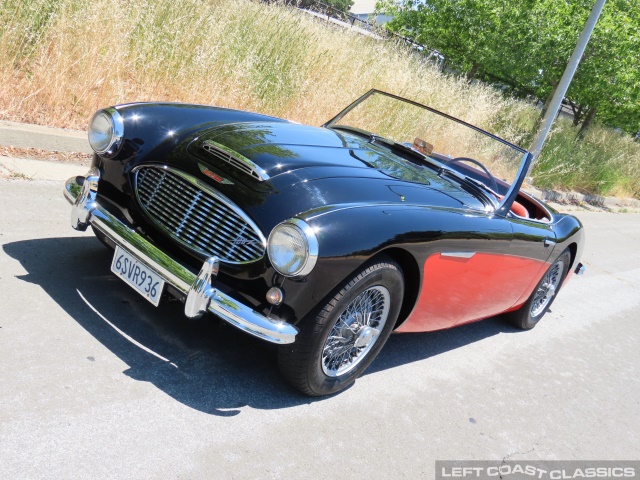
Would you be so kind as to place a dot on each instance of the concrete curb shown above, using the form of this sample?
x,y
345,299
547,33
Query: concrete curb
x,y
575,198
22,135
28,169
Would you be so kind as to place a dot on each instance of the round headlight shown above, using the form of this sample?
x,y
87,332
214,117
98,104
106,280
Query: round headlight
x,y
293,248
106,130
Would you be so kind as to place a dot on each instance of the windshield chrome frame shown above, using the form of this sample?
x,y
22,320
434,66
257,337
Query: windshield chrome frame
x,y
504,206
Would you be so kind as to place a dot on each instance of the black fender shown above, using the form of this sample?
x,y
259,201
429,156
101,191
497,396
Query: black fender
x,y
349,236
159,128
569,234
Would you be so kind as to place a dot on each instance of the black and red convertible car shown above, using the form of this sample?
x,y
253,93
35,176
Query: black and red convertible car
x,y
390,217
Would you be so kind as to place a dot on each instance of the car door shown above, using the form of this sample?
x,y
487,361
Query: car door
x,y
480,272
467,274
535,240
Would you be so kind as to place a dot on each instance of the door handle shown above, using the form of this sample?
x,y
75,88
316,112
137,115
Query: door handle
x,y
549,243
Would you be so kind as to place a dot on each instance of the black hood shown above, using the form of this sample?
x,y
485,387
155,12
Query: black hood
x,y
279,149
306,167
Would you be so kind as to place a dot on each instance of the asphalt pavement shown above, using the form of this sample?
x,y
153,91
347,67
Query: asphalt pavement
x,y
97,383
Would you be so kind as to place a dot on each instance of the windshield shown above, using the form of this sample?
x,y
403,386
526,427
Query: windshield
x,y
440,138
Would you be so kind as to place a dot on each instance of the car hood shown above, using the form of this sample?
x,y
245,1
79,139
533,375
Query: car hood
x,y
302,168
276,150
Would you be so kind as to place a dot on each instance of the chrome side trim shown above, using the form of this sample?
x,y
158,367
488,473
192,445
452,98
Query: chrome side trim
x,y
234,159
329,209
199,287
580,269
458,254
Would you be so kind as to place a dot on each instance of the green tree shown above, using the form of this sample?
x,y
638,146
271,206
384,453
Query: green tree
x,y
608,79
342,5
525,45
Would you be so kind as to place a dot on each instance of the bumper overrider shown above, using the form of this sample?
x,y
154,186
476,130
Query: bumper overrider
x,y
199,290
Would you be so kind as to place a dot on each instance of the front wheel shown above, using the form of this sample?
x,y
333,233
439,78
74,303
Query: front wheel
x,y
530,313
335,346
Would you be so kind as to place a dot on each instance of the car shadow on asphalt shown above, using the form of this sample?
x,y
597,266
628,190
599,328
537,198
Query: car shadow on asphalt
x,y
205,364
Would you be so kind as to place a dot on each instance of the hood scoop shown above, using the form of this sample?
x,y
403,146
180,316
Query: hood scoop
x,y
233,158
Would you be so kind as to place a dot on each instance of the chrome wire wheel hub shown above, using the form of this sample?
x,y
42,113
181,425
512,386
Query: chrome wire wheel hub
x,y
547,289
355,332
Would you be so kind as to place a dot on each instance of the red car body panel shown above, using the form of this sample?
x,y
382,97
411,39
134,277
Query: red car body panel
x,y
460,290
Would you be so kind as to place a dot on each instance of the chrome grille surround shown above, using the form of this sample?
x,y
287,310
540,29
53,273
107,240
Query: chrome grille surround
x,y
197,216
235,160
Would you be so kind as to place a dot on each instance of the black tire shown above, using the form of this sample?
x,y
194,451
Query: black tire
x,y
530,313
102,238
378,289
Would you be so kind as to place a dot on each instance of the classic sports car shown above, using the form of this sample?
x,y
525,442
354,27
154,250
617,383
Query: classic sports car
x,y
391,216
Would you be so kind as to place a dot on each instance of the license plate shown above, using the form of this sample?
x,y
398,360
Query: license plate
x,y
143,280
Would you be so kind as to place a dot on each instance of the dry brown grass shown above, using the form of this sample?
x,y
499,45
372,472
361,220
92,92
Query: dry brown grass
x,y
605,162
233,53
39,154
60,60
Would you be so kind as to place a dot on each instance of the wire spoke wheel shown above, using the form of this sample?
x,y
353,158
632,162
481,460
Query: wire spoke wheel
x,y
547,288
339,341
529,314
355,331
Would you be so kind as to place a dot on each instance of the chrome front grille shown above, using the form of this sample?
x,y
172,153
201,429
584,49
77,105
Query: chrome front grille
x,y
198,216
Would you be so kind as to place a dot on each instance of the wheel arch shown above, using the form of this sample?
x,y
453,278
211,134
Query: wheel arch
x,y
570,235
573,249
412,280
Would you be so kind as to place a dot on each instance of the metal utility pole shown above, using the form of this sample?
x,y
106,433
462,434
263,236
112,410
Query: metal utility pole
x,y
565,81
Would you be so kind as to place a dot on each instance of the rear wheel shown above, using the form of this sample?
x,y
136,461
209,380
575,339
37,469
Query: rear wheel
x,y
335,346
530,313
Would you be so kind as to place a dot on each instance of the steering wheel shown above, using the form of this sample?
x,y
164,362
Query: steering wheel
x,y
516,207
494,184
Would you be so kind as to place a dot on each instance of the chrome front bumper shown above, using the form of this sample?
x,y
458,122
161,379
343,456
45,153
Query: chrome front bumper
x,y
199,290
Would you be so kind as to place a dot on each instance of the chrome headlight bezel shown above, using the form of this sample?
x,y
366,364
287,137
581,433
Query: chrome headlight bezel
x,y
106,132
309,243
